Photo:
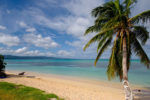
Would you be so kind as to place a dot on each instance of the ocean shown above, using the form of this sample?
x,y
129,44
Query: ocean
x,y
138,73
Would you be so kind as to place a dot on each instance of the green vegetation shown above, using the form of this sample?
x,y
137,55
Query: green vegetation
x,y
116,28
9,91
2,67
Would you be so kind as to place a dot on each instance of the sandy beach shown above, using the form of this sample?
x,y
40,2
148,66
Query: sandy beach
x,y
72,88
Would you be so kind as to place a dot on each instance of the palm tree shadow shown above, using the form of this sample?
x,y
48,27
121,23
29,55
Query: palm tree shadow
x,y
14,76
18,76
142,94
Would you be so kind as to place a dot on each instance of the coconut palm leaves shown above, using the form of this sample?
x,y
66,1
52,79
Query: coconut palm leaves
x,y
143,17
113,24
137,48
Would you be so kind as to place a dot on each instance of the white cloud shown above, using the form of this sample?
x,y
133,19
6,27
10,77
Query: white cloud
x,y
82,7
24,52
79,45
22,24
9,40
78,27
38,53
74,24
32,53
40,41
2,27
27,27
31,29
6,51
140,6
21,50
56,23
64,53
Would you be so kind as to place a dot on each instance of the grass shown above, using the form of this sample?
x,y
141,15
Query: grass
x,y
9,91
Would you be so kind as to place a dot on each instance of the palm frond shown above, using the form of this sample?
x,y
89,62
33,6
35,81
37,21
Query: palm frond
x,y
115,63
100,44
104,47
117,5
100,10
94,39
143,17
113,18
141,33
101,20
128,5
91,29
113,22
135,45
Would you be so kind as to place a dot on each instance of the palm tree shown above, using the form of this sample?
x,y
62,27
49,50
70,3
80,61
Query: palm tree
x,y
115,27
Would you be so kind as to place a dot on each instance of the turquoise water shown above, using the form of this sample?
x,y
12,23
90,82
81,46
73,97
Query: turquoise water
x,y
138,73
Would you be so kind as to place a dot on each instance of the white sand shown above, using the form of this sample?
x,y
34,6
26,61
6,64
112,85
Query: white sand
x,y
72,88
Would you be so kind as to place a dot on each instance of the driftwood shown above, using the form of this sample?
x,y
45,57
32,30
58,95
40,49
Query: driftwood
x,y
22,73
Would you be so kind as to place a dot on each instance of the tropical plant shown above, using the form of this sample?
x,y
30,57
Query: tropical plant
x,y
2,66
117,29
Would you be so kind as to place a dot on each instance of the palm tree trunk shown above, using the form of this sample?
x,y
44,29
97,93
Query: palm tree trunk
x,y
124,62
128,92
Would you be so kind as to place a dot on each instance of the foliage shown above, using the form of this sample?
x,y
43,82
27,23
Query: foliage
x,y
113,23
2,66
9,91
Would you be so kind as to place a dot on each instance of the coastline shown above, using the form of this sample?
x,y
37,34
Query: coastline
x,y
72,88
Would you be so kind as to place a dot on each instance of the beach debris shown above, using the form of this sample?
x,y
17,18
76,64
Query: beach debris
x,y
22,73
139,90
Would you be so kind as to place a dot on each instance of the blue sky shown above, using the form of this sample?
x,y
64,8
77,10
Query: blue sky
x,y
51,27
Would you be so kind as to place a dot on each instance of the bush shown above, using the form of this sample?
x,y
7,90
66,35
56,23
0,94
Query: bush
x,y
2,67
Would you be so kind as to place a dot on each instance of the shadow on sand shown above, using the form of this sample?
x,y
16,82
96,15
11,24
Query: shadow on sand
x,y
142,94
18,76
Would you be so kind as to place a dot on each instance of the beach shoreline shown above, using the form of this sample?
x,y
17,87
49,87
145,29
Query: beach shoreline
x,y
72,88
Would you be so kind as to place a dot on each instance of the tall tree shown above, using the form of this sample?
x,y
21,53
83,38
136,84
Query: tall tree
x,y
115,27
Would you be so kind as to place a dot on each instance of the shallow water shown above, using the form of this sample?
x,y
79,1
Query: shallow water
x,y
138,73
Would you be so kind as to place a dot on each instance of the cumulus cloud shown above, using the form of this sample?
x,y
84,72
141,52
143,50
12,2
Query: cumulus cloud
x,y
75,19
78,26
75,24
64,53
38,53
21,50
24,52
2,27
22,24
82,7
31,29
39,41
27,27
9,40
6,51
